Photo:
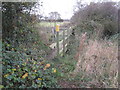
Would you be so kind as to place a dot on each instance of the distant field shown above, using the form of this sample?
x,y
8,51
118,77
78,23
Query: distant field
x,y
45,30
50,24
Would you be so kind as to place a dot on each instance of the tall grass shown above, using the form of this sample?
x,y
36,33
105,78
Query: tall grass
x,y
99,61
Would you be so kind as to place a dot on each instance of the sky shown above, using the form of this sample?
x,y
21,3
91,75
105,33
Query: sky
x,y
64,7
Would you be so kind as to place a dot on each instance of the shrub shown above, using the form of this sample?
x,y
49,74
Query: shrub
x,y
24,70
104,13
23,50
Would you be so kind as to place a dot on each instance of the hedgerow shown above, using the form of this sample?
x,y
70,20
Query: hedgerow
x,y
23,52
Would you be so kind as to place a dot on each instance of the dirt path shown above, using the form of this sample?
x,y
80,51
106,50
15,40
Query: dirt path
x,y
68,84
51,54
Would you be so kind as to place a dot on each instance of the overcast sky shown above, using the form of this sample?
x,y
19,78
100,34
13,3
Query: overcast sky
x,y
64,7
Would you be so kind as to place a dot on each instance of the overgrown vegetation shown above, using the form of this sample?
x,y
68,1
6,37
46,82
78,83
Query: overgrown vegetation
x,y
24,63
100,18
98,48
91,59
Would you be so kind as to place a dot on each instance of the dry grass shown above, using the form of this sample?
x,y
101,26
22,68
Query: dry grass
x,y
81,46
99,60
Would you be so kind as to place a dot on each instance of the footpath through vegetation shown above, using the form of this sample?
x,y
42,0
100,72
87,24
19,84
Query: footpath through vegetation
x,y
91,58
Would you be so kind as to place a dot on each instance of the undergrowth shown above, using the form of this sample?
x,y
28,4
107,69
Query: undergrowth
x,y
96,67
25,66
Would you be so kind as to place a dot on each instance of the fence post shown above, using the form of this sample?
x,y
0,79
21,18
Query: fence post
x,y
57,30
63,42
68,34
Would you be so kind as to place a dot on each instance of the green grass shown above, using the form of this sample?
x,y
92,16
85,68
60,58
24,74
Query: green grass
x,y
65,72
49,24
64,66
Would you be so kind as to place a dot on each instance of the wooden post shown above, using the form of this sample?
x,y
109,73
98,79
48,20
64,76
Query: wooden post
x,y
63,42
57,30
57,43
68,35
54,36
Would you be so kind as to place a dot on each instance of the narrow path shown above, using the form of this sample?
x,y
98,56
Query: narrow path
x,y
68,84
52,54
